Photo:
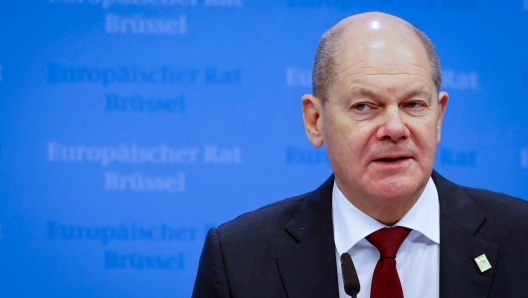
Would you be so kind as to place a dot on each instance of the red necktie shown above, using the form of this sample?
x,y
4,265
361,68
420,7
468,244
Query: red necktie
x,y
385,281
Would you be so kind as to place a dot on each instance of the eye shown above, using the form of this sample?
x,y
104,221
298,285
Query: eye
x,y
361,107
415,105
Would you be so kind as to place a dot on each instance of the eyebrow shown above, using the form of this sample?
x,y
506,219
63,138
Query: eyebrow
x,y
362,91
419,90
368,92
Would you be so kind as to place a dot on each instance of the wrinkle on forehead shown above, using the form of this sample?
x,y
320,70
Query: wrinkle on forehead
x,y
365,69
359,89
389,69
378,85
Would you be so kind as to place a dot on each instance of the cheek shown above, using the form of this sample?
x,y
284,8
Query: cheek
x,y
347,140
353,142
340,141
426,138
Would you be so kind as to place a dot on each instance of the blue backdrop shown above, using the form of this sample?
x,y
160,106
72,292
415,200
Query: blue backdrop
x,y
129,127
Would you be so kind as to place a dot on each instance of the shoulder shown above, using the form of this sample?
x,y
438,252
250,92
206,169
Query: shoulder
x,y
497,201
489,201
277,215
268,219
502,207
268,226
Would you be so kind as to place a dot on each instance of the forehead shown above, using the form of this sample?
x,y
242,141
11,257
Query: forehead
x,y
389,55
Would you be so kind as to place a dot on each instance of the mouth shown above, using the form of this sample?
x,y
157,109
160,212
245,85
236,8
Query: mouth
x,y
391,159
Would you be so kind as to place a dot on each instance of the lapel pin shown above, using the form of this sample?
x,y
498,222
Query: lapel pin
x,y
482,263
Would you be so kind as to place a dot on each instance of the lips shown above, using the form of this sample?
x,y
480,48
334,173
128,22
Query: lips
x,y
391,159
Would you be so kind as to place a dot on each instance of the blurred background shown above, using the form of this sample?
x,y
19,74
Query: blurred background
x,y
128,128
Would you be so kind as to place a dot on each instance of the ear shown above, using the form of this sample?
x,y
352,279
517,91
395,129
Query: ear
x,y
312,110
443,98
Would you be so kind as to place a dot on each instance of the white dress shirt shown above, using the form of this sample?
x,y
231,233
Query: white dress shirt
x,y
417,260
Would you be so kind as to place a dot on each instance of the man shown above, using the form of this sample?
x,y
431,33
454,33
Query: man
x,y
378,110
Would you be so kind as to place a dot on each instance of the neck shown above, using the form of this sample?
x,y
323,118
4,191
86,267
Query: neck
x,y
386,210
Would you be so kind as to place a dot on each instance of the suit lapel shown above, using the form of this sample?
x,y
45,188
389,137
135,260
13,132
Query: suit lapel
x,y
309,269
460,221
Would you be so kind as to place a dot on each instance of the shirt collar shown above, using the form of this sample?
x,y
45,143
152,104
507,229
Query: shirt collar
x,y
351,224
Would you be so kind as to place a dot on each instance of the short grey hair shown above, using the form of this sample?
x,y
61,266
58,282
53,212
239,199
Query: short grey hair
x,y
325,73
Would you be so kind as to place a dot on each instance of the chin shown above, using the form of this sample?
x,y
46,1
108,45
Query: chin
x,y
396,187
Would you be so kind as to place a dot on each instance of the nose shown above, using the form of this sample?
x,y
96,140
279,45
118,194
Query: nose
x,y
393,127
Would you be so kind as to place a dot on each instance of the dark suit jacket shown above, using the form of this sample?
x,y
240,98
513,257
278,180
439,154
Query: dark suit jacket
x,y
287,249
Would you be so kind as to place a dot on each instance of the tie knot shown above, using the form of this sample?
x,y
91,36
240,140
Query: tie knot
x,y
388,240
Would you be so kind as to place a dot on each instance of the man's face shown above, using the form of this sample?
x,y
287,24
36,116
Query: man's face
x,y
382,121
